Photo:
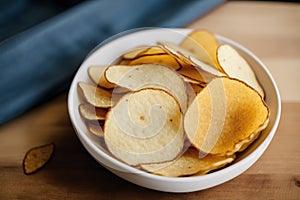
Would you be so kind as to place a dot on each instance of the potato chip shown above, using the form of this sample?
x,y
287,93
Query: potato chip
x,y
176,51
197,88
203,38
188,164
190,93
206,68
95,129
90,112
192,90
217,164
145,127
119,90
153,50
37,157
162,105
96,73
162,59
96,96
242,145
225,112
185,56
206,71
192,73
124,62
192,81
235,66
149,76
204,45
135,52
139,52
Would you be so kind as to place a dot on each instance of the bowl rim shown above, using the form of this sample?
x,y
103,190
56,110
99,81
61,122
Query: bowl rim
x,y
129,169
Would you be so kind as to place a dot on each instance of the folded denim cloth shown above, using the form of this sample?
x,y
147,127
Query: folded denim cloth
x,y
40,62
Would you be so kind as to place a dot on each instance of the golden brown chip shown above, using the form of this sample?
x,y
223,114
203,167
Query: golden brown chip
x,y
145,127
193,73
177,52
188,164
224,113
96,73
124,62
96,96
163,59
135,52
37,157
243,144
197,88
153,50
139,52
206,68
204,45
235,66
90,112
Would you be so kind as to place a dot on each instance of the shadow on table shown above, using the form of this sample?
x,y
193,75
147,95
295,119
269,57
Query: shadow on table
x,y
75,171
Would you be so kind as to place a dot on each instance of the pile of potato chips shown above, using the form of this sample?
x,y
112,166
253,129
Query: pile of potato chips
x,y
176,110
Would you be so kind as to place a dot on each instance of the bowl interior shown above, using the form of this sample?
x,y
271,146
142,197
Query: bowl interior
x,y
108,52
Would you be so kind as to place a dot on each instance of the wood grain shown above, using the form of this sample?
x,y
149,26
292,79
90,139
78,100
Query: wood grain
x,y
74,174
268,29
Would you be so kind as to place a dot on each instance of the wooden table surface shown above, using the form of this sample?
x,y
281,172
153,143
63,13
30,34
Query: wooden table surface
x,y
270,30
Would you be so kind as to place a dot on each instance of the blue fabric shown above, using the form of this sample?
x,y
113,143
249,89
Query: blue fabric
x,y
40,62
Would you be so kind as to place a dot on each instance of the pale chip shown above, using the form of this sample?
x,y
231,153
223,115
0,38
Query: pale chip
x,y
149,76
119,90
96,96
96,73
90,112
145,127
235,66
177,51
191,162
192,91
192,81
124,62
197,88
206,71
95,129
135,52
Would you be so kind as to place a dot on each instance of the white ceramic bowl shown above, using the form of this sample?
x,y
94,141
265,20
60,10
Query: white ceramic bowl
x,y
109,51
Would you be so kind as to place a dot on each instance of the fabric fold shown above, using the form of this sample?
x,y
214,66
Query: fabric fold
x,y
39,63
